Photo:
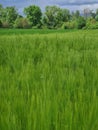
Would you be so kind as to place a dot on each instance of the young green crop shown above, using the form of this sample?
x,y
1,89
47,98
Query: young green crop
x,y
49,81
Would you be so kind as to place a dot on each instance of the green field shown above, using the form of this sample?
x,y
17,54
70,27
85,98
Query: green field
x,y
48,80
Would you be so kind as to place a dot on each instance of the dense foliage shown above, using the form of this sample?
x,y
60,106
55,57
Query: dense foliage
x,y
53,17
33,14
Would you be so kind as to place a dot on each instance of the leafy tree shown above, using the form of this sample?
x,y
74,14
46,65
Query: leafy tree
x,y
77,14
33,14
1,12
96,17
0,23
52,16
8,15
11,14
93,14
96,11
0,15
1,8
55,16
65,14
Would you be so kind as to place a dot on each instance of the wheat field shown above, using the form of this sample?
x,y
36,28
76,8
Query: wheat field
x,y
49,81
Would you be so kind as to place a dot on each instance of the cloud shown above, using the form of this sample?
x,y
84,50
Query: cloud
x,y
70,4
75,2
49,2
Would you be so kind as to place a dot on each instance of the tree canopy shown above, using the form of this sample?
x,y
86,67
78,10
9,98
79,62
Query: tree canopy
x,y
33,13
53,17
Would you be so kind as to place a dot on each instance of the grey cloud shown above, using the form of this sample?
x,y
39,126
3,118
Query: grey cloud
x,y
75,2
70,4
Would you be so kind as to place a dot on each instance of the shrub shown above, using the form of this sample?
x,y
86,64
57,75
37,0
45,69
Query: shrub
x,y
0,23
92,24
96,18
5,24
22,23
69,25
81,22
39,25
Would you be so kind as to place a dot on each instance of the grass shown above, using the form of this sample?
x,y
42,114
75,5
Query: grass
x,y
32,31
49,81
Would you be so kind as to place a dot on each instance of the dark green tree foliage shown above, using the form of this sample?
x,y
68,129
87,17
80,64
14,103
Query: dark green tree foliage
x,y
54,16
1,8
11,14
93,14
8,15
65,14
96,11
1,12
33,14
0,15
77,14
96,17
0,23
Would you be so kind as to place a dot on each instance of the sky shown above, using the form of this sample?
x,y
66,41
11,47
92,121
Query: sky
x,y
69,4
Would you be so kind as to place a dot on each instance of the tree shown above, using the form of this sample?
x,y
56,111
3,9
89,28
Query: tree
x,y
0,24
96,11
11,14
65,14
1,12
55,16
93,14
34,14
52,16
8,15
75,15
0,15
96,17
1,8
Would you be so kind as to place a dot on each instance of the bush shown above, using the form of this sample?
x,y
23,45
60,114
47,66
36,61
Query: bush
x,y
81,22
22,23
92,24
5,24
59,25
69,25
96,18
39,25
0,23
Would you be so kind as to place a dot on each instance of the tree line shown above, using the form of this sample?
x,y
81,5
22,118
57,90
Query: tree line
x,y
54,17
